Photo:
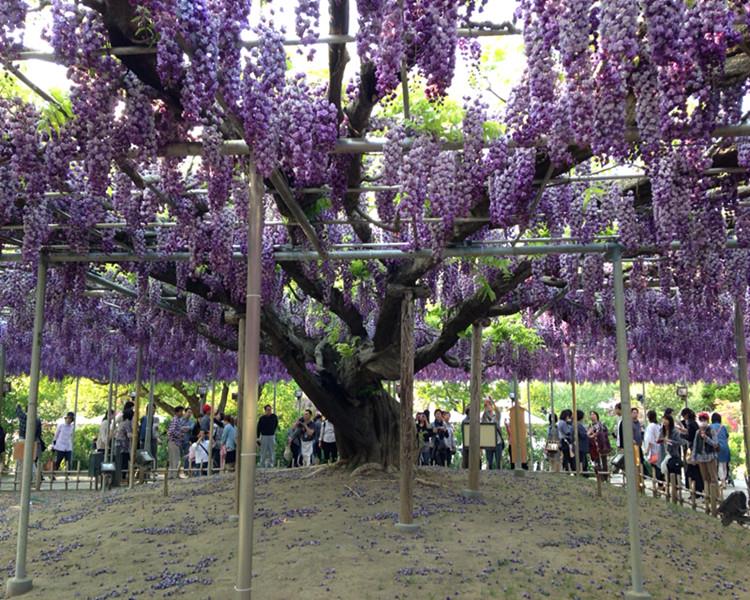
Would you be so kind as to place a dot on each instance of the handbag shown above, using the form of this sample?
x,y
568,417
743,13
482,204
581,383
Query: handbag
x,y
552,446
653,458
287,454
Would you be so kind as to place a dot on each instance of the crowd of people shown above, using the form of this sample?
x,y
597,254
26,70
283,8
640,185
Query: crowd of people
x,y
696,446
311,440
693,446
436,438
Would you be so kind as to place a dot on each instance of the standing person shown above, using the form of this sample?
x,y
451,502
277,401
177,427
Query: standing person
x,y
705,449
721,435
199,450
266,432
205,422
229,442
440,449
651,447
328,442
552,445
494,455
307,437
583,442
175,436
424,437
565,433
450,440
294,442
599,446
122,441
637,437
39,444
688,430
188,432
317,424
671,443
617,433
105,431
62,443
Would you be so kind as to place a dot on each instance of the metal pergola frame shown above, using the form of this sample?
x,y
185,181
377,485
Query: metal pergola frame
x,y
251,324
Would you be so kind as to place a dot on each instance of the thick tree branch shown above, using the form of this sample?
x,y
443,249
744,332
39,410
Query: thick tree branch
x,y
476,307
334,301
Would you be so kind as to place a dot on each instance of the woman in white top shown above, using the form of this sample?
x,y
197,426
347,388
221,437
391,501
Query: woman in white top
x,y
199,450
328,442
62,443
651,449
104,432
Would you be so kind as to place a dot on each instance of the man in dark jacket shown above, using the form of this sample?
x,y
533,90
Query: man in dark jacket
x,y
267,426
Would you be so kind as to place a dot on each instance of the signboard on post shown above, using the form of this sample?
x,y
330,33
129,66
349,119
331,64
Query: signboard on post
x,y
486,435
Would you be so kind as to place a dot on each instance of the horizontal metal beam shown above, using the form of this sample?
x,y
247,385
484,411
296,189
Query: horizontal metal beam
x,y
498,30
368,145
284,255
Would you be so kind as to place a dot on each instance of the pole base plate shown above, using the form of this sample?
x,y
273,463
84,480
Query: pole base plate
x,y
407,527
467,493
17,587
633,595
233,518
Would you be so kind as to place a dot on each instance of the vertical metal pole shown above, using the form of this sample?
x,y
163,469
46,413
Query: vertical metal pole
x,y
109,409
516,415
407,441
475,391
637,592
576,441
250,399
741,345
75,412
2,384
240,398
274,396
136,417
150,414
75,406
211,422
529,457
21,583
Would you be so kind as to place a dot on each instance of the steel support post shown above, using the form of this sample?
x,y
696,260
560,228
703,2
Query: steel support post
x,y
516,417
576,441
740,343
136,417
637,592
406,403
2,380
150,414
108,445
21,583
529,454
240,397
250,398
475,391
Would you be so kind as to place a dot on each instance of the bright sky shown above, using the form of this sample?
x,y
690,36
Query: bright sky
x,y
504,54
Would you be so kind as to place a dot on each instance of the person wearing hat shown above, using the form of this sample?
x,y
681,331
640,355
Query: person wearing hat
x,y
206,418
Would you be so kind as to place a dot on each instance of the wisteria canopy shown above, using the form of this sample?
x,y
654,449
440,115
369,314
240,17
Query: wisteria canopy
x,y
607,86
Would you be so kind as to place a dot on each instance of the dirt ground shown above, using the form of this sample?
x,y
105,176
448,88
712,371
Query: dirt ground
x,y
331,535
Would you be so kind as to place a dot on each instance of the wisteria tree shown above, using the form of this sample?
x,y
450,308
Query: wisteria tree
x,y
610,84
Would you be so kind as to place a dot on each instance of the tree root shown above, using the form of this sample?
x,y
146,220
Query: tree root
x,y
429,483
367,469
317,469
